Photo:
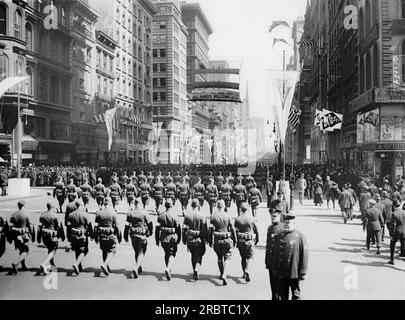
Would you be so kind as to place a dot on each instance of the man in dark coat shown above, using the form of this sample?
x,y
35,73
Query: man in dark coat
x,y
346,202
3,237
211,194
373,221
269,190
389,206
398,233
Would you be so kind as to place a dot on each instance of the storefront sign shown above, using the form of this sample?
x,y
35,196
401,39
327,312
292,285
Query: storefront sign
x,y
400,146
385,95
216,96
362,101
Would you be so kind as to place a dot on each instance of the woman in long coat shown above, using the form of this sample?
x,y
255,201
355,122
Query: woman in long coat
x,y
318,190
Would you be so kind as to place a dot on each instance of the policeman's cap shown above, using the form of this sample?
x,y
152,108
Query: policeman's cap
x,y
384,194
21,203
289,216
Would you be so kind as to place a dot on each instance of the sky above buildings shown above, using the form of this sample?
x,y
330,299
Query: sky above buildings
x,y
241,36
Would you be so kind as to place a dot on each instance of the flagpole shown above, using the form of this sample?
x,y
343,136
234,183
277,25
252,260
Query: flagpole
x,y
282,144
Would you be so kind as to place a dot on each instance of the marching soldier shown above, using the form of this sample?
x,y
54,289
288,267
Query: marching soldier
x,y
115,194
168,233
177,179
239,178
71,207
249,181
273,230
158,192
59,193
159,177
134,179
86,194
149,179
170,189
212,194
208,179
131,193
187,178
219,181
199,192
141,177
71,190
100,193
289,260
240,195
21,232
139,228
79,230
223,238
195,232
183,194
49,231
373,221
225,193
122,181
107,234
248,237
255,198
231,179
168,179
145,191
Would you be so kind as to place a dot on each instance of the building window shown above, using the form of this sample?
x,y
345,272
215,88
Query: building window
x,y
3,67
63,15
154,53
155,96
29,74
18,24
162,25
3,19
163,82
163,67
28,36
375,67
163,96
54,89
162,53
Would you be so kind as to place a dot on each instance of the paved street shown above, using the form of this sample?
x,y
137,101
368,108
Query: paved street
x,y
332,245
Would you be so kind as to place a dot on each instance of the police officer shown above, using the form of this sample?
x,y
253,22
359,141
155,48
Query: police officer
x,y
168,233
240,195
170,189
115,194
225,193
273,230
397,232
199,192
289,260
79,230
145,192
158,193
107,234
183,194
49,231
212,194
86,194
373,221
59,193
22,232
223,238
248,237
131,193
255,198
100,193
139,227
195,233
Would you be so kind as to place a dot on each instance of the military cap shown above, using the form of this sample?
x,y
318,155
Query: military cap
x,y
372,202
244,206
21,203
289,216
384,194
107,201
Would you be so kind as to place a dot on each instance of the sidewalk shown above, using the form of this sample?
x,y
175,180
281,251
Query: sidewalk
x,y
35,192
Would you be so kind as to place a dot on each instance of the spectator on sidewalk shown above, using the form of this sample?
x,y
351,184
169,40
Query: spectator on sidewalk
x,y
3,181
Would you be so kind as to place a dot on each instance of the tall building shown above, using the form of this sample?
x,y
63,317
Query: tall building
x,y
170,79
132,24
28,46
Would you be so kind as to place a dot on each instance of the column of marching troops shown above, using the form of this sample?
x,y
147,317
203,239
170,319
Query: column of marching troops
x,y
286,248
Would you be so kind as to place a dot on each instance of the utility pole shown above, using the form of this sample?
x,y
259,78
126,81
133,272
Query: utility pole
x,y
19,138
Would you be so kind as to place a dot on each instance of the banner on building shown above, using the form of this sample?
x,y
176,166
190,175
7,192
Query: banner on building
x,y
294,117
278,23
331,121
318,118
396,69
223,95
109,117
371,118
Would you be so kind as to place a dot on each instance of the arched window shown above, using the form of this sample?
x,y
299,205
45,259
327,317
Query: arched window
x,y
368,15
376,64
368,71
403,9
18,24
3,19
30,82
3,67
28,36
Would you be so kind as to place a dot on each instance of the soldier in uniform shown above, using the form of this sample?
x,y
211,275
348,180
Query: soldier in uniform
x,y
389,206
248,236
223,238
145,192
131,193
212,194
49,231
249,181
239,178
397,233
269,190
159,177
115,194
21,232
195,233
107,234
199,192
141,177
255,198
373,222
59,193
134,179
183,194
71,191
100,192
219,181
86,194
281,205
79,230
240,195
122,181
187,178
149,179
170,189
177,179
139,227
225,193
168,179
289,260
231,179
168,233
273,230
158,193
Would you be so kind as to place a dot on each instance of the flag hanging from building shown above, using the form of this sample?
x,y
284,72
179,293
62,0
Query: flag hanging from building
x,y
109,117
278,23
371,118
100,118
318,118
308,42
277,40
294,117
331,121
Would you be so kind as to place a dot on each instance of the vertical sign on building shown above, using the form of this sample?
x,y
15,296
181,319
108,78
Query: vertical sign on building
x,y
396,69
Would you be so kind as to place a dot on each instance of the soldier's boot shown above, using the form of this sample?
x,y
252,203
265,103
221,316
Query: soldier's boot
x,y
378,250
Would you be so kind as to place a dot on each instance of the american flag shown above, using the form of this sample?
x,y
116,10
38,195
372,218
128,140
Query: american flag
x,y
294,117
308,42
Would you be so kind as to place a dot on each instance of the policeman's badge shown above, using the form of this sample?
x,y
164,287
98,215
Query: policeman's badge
x,y
292,242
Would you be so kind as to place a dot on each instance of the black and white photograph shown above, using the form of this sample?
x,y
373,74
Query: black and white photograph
x,y
202,150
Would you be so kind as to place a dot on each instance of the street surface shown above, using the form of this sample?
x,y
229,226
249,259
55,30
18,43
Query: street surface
x,y
335,248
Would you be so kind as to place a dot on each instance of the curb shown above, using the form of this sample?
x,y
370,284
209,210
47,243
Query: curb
x,y
20,198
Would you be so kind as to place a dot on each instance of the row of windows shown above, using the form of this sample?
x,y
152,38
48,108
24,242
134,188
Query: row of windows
x,y
159,82
159,53
159,67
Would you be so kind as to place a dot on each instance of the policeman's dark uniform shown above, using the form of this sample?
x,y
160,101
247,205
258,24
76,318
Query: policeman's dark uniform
x,y
225,194
100,193
255,198
145,192
289,262
59,193
107,230
211,195
247,235
388,211
139,228
240,195
184,195
269,191
158,190
199,192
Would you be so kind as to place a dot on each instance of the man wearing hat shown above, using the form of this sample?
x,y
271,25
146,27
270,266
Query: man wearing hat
x,y
168,233
354,195
365,196
280,204
212,194
273,230
389,206
115,193
397,232
100,193
346,202
139,227
289,260
199,192
381,207
195,234
49,231
373,221
158,190
3,181
222,238
247,237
